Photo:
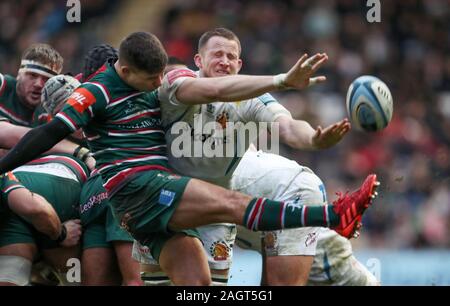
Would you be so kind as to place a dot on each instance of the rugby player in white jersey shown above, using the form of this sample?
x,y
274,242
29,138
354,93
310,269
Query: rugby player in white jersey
x,y
159,208
219,55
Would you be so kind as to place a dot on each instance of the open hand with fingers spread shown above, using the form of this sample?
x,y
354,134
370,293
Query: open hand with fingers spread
x,y
301,75
331,135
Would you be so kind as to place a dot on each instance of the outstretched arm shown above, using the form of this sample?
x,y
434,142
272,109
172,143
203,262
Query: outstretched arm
x,y
241,87
34,143
299,134
10,135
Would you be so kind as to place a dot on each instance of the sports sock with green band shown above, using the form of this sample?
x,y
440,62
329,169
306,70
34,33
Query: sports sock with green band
x,y
267,215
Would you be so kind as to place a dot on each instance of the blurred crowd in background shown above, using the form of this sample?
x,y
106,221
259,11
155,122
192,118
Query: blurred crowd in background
x,y
409,50
24,22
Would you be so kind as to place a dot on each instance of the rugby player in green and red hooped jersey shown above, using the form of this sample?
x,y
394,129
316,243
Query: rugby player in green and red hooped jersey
x,y
103,239
156,206
20,97
36,198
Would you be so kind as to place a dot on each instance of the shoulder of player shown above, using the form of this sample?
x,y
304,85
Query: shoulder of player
x,y
107,83
265,99
7,83
103,89
151,97
176,74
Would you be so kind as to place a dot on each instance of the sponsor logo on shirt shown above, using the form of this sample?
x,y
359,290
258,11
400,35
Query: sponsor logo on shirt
x,y
222,119
81,99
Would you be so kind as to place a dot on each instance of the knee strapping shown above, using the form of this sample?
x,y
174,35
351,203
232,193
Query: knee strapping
x,y
219,280
155,279
15,270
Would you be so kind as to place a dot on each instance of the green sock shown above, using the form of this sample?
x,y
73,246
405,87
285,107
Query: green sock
x,y
267,215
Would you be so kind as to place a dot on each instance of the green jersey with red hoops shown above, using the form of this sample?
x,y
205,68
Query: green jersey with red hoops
x,y
122,125
11,109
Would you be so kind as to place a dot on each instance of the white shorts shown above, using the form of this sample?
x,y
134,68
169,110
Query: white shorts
x,y
218,240
303,187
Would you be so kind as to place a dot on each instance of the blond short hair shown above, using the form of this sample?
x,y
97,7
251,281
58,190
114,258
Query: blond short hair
x,y
44,54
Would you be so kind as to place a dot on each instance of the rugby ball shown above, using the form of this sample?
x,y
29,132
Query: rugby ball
x,y
369,103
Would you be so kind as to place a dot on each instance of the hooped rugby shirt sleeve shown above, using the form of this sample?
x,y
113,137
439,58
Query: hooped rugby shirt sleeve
x,y
264,108
171,81
83,104
6,82
9,183
3,84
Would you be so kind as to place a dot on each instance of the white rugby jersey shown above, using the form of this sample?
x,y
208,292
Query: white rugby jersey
x,y
189,129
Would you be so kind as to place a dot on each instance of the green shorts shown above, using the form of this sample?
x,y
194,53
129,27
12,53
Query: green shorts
x,y
93,200
63,194
99,226
101,232
145,205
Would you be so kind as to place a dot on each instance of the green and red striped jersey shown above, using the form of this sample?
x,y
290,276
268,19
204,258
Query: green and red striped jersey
x,y
11,109
122,125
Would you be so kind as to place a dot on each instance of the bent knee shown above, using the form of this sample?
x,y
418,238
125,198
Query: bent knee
x,y
235,203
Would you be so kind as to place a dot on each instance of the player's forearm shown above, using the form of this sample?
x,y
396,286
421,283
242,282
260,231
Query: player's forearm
x,y
34,143
224,89
64,146
36,210
47,222
297,134
10,134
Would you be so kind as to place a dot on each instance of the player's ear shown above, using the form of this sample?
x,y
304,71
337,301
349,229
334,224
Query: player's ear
x,y
239,65
19,75
125,70
198,61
